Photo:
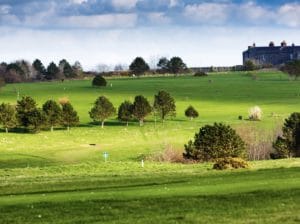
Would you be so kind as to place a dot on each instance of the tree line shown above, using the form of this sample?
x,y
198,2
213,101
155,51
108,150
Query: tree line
x,y
22,71
25,114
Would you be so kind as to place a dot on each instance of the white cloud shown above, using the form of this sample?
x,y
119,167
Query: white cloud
x,y
124,4
5,9
158,18
173,3
254,13
213,13
99,21
289,15
78,1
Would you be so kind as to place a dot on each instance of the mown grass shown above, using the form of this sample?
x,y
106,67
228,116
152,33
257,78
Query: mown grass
x,y
222,100
60,177
164,193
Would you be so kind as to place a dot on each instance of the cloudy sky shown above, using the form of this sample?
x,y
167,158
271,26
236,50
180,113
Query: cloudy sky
x,y
203,33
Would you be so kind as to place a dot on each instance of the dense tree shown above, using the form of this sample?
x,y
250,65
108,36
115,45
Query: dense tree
x,y
69,116
53,113
191,112
36,120
125,112
139,66
164,104
249,66
14,73
213,142
8,116
141,108
102,110
77,68
66,69
24,107
99,81
288,145
52,71
163,64
292,68
40,69
176,65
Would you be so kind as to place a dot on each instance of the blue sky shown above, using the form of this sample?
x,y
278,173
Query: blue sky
x,y
203,33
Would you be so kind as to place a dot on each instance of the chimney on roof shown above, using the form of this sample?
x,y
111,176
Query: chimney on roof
x,y
271,44
283,44
293,45
254,45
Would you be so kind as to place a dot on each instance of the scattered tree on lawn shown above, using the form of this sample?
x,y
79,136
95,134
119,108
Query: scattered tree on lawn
x,y
164,104
141,108
36,120
53,112
24,107
125,112
213,142
8,116
69,116
191,112
288,145
99,81
102,110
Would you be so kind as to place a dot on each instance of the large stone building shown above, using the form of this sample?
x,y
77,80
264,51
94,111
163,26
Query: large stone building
x,y
272,55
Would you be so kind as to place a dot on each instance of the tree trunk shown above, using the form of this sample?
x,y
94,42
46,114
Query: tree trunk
x,y
68,128
102,124
127,123
51,128
191,118
141,122
6,130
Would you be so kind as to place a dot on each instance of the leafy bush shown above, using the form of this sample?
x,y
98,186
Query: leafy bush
x,y
255,113
240,117
230,163
191,112
200,74
288,145
213,142
99,81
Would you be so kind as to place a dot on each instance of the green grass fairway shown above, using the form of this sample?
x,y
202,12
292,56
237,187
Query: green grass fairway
x,y
59,177
222,100
162,193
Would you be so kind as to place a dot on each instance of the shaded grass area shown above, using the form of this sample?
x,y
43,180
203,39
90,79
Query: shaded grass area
x,y
166,193
253,207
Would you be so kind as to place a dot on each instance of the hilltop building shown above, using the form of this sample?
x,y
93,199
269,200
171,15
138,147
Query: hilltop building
x,y
272,55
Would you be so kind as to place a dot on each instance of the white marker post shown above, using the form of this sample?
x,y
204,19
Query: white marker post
x,y
142,163
105,155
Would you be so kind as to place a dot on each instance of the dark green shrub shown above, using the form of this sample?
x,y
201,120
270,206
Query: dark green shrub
x,y
213,142
200,74
288,145
240,117
230,163
99,81
191,112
